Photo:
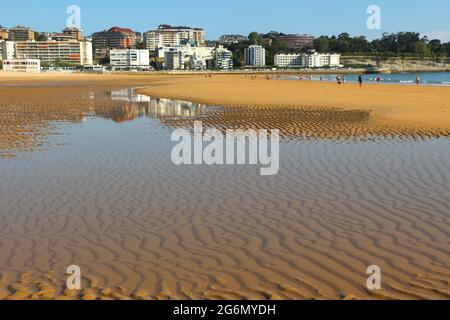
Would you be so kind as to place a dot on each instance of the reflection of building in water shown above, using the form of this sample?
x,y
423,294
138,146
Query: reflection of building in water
x,y
137,105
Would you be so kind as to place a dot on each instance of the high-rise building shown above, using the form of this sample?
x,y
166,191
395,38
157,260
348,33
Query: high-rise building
x,y
129,59
166,36
255,56
223,59
21,33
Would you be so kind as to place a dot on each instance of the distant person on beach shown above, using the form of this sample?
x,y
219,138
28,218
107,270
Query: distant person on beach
x,y
360,80
418,80
338,80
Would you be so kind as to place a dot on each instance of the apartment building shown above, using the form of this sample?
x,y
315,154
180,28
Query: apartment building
x,y
174,60
192,57
223,59
255,56
22,65
21,33
7,50
129,59
114,38
307,60
166,36
70,52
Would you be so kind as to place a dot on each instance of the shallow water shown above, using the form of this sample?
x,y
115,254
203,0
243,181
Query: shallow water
x,y
426,78
105,195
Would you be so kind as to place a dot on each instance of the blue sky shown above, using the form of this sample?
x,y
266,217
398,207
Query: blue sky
x,y
237,16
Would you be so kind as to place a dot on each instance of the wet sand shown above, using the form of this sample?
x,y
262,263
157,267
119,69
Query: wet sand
x,y
87,181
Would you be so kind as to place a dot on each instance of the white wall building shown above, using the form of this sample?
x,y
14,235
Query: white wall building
x,y
7,50
307,60
166,35
290,60
255,56
174,60
71,52
129,59
192,56
223,59
22,65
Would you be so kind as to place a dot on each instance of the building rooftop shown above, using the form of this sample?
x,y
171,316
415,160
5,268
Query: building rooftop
x,y
21,28
118,29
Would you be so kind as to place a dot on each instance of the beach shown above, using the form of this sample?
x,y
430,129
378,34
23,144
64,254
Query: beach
x,y
87,180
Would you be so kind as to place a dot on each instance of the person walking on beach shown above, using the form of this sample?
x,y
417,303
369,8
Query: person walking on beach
x,y
360,80
338,79
418,80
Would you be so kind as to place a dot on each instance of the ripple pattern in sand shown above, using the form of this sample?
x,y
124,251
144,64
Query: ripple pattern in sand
x,y
142,228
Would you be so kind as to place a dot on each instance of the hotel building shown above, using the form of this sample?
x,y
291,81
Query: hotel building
x,y
129,59
21,33
255,56
166,36
22,65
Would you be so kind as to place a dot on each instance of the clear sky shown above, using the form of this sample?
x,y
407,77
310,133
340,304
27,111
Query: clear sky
x,y
317,17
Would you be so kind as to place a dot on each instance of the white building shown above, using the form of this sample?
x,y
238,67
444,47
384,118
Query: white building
x,y
320,60
290,60
166,36
70,52
7,50
129,59
255,56
192,56
307,60
223,59
174,60
22,65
